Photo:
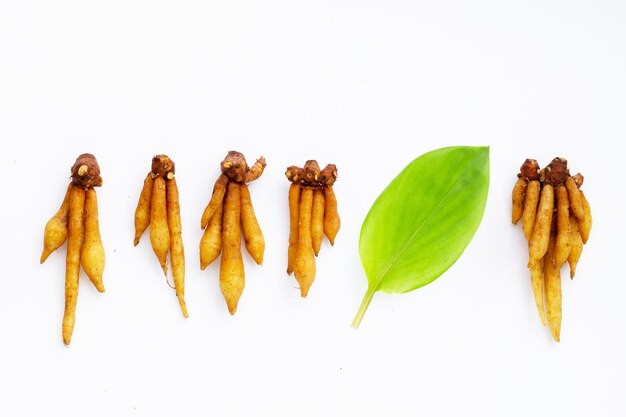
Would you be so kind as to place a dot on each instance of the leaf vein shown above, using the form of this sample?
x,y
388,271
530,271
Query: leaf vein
x,y
415,233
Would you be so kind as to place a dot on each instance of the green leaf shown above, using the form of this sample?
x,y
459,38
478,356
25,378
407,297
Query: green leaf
x,y
423,221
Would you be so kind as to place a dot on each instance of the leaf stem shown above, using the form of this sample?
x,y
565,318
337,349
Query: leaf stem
x,y
367,299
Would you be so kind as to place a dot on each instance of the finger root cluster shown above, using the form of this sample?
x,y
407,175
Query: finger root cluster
x,y
556,220
312,214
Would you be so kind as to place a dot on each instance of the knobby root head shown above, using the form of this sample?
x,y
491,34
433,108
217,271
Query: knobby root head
x,y
329,175
86,172
311,172
529,170
311,175
578,179
294,174
234,166
556,172
163,166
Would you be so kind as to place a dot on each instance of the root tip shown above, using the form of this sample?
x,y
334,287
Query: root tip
x,y
43,257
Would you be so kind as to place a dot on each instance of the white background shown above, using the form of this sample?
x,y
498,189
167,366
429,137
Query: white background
x,y
368,85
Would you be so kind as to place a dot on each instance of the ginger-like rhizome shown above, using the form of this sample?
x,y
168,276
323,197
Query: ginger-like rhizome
x,y
556,220
312,214
229,214
159,208
77,222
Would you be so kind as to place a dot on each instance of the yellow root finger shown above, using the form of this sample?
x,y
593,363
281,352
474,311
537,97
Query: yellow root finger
x,y
219,189
305,259
294,204
531,201
332,223
142,213
541,231
574,198
211,242
232,276
317,220
563,237
536,278
177,251
517,198
585,225
255,170
92,256
55,233
552,277
577,246
72,261
159,231
253,237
